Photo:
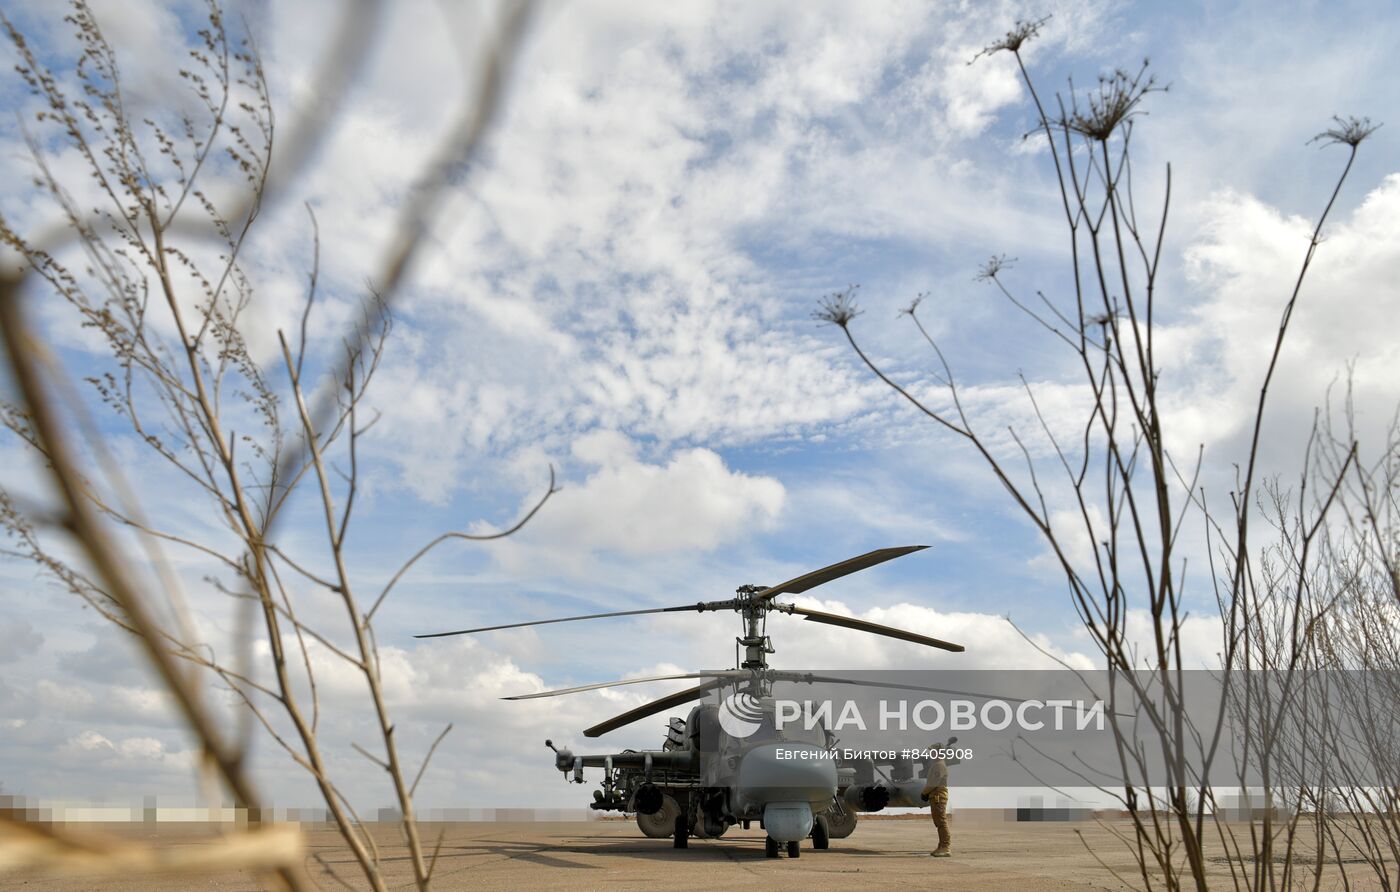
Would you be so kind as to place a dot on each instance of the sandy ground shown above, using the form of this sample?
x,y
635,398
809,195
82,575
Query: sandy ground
x,y
609,854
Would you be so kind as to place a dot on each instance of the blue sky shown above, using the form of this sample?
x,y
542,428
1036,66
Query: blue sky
x,y
622,287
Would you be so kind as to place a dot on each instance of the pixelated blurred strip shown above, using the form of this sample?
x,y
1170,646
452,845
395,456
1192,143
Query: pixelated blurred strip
x,y
64,851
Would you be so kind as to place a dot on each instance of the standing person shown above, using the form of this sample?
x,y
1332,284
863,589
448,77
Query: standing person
x,y
935,793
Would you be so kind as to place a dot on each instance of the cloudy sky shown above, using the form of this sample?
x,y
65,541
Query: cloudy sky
x,y
621,285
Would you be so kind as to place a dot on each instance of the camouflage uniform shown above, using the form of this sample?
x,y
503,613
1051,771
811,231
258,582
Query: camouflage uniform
x,y
935,792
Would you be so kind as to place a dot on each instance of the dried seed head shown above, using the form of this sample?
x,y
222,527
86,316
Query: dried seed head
x,y
1115,102
1011,43
993,266
1348,131
838,308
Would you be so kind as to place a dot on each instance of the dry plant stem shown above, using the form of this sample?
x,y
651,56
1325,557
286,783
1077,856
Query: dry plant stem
x,y
1240,585
469,537
368,662
1134,520
87,529
254,536
1258,426
188,383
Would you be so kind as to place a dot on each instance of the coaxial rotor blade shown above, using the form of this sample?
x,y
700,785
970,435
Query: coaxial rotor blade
x,y
860,625
652,708
565,619
836,571
725,673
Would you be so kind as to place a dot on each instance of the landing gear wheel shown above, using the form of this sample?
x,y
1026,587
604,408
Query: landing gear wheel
x,y
682,834
794,850
821,839
840,821
662,823
702,833
770,847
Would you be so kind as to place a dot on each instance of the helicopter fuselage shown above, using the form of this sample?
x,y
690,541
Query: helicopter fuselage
x,y
719,779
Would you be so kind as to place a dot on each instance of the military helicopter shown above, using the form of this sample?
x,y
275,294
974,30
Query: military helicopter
x,y
728,762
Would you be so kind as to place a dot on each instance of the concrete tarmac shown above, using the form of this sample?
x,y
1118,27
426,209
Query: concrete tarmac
x,y
615,855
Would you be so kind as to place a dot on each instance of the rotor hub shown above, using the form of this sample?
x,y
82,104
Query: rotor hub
x,y
753,646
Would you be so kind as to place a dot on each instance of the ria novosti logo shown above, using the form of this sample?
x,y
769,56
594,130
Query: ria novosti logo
x,y
933,715
740,714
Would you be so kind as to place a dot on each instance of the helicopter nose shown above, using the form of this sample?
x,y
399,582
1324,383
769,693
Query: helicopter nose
x,y
787,772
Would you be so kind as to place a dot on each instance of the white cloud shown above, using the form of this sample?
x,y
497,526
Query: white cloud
x,y
1246,263
91,741
126,754
603,267
19,637
1202,640
627,506
1076,542
991,641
